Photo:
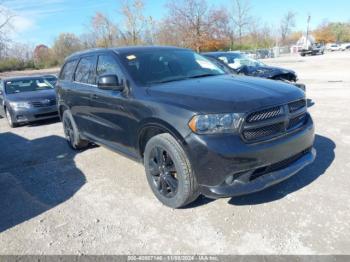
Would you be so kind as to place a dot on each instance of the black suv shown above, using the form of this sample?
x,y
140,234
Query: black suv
x,y
196,129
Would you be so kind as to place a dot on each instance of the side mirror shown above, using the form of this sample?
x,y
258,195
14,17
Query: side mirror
x,y
109,82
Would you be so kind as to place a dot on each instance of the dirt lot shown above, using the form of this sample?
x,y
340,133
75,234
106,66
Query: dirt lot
x,y
56,201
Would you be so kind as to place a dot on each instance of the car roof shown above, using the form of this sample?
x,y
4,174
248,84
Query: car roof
x,y
124,50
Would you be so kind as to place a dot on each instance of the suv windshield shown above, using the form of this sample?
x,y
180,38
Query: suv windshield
x,y
26,85
163,66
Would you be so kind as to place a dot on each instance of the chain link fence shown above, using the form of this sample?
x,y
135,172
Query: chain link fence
x,y
265,53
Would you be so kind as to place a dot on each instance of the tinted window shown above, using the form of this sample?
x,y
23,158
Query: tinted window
x,y
26,85
86,71
68,71
230,58
107,65
161,66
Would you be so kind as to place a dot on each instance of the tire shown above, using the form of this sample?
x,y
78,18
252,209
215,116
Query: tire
x,y
171,178
71,132
9,119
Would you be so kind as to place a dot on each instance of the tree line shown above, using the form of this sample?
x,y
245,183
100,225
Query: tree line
x,y
187,23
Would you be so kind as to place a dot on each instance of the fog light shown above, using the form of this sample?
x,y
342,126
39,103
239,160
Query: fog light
x,y
21,118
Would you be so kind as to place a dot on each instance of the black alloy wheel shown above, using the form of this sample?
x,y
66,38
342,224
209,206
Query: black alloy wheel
x,y
163,171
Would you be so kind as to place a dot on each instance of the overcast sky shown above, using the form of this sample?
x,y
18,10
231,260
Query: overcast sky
x,y
40,21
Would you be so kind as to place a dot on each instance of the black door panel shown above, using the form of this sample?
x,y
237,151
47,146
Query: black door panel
x,y
110,109
110,117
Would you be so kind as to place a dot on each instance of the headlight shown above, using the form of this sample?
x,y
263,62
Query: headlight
x,y
18,105
215,123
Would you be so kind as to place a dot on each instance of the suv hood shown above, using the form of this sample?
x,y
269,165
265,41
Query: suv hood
x,y
32,96
221,94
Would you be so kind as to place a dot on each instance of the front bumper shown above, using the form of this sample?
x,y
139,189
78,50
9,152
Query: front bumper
x,y
34,114
215,159
244,186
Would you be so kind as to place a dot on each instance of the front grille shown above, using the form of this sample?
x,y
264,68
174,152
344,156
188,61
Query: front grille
x,y
297,122
44,103
275,121
266,114
279,165
297,105
263,132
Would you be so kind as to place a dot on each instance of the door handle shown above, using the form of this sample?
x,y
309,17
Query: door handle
x,y
94,96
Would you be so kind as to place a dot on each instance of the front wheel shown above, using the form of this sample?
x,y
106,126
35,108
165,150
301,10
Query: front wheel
x,y
9,118
169,172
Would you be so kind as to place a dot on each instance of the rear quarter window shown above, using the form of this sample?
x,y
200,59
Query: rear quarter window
x,y
68,70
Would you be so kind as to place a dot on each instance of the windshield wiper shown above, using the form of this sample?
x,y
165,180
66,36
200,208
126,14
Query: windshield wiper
x,y
168,80
181,78
203,75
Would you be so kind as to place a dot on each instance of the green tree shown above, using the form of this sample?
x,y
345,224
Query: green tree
x,y
65,45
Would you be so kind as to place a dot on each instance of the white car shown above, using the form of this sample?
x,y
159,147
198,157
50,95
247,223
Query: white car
x,y
345,46
333,47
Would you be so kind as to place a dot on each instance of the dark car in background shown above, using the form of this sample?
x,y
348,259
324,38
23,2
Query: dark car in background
x,y
52,79
27,99
247,66
196,129
222,65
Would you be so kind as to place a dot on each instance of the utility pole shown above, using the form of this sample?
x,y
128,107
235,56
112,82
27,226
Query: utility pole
x,y
307,32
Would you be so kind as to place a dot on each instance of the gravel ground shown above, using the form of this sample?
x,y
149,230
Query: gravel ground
x,y
56,201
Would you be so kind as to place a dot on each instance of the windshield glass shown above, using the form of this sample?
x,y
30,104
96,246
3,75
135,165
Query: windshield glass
x,y
51,79
163,66
26,85
230,58
237,60
250,62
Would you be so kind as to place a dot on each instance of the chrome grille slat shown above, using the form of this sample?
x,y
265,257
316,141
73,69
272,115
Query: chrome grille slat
x,y
265,114
275,121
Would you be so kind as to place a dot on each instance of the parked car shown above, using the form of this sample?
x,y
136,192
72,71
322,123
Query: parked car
x,y
264,53
196,129
333,47
27,99
52,79
345,46
314,49
251,67
222,65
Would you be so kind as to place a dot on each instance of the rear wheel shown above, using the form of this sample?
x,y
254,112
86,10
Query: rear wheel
x,y
169,172
71,132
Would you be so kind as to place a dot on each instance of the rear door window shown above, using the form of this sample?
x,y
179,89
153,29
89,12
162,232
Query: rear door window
x,y
86,71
